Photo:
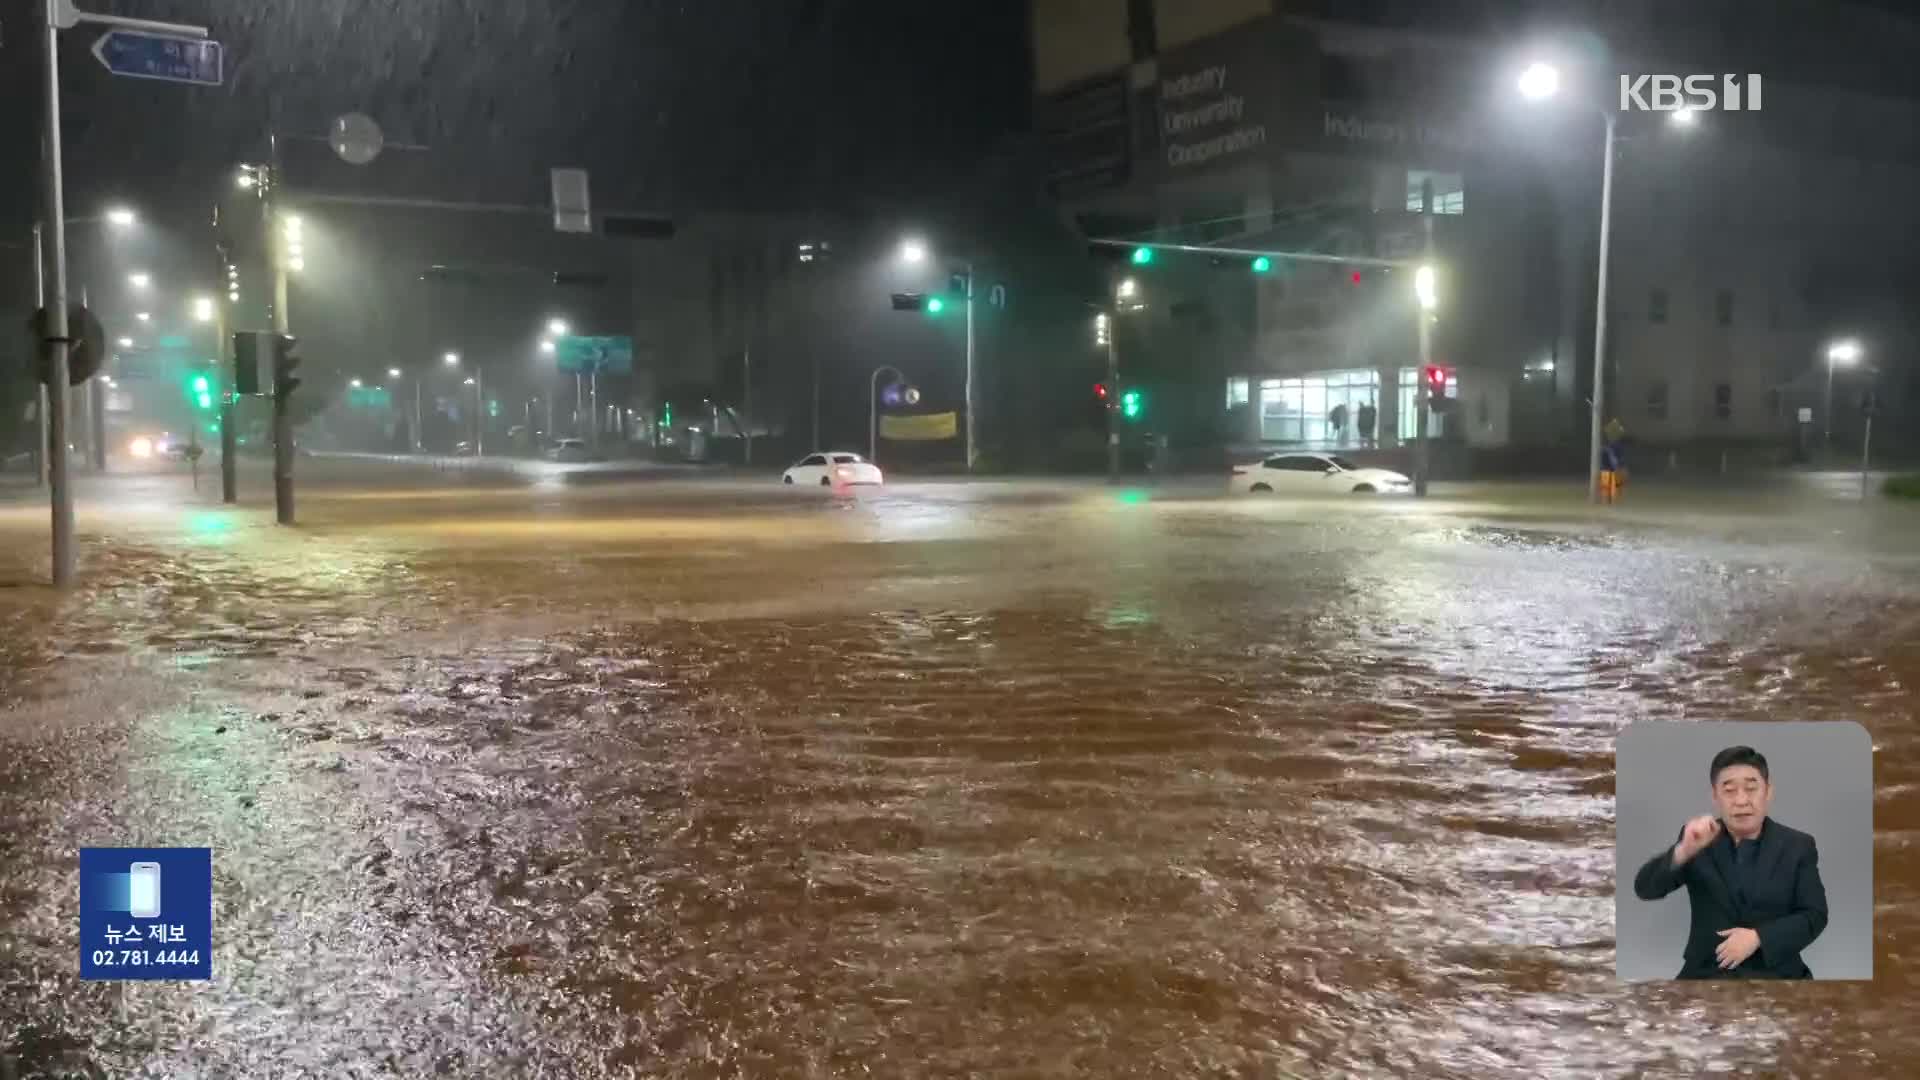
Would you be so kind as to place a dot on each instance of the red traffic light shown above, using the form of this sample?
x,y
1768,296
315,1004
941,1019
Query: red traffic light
x,y
1100,390
1436,381
1356,277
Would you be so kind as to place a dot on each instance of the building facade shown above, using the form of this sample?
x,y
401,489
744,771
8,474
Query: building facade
x,y
1245,125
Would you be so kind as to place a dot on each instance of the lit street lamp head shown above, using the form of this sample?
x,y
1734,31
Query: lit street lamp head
x,y
139,280
547,347
202,309
126,343
1843,353
913,251
143,316
469,381
557,327
1426,288
393,373
355,383
1539,81
121,216
453,359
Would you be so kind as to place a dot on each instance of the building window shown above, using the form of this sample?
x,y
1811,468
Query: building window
x,y
1410,394
1657,400
1236,391
1449,191
1723,401
1723,307
1657,305
1301,410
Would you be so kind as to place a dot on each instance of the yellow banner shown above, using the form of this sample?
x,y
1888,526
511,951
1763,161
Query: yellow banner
x,y
925,428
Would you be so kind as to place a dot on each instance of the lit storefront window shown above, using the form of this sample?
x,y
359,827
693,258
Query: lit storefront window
x,y
1302,410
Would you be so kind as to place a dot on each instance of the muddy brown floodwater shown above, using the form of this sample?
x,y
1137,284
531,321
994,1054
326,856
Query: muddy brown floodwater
x,y
692,779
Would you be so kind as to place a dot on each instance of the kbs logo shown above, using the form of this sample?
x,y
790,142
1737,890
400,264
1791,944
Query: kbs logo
x,y
1672,93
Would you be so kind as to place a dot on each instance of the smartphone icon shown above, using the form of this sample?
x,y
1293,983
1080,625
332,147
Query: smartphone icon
x,y
143,890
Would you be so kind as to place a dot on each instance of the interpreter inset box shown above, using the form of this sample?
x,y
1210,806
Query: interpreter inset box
x,y
146,913
1744,850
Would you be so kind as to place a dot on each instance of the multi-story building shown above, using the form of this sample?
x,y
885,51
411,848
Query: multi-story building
x,y
1258,126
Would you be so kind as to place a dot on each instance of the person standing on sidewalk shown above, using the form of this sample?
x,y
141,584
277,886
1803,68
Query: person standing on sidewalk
x,y
1363,423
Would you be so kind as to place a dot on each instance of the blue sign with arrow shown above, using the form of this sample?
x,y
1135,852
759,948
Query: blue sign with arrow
x,y
141,55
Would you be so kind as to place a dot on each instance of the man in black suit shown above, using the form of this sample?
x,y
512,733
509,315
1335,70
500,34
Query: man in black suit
x,y
1752,883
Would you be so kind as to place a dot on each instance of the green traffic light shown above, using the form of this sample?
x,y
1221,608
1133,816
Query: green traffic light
x,y
935,305
205,401
1142,256
200,384
1262,264
1132,404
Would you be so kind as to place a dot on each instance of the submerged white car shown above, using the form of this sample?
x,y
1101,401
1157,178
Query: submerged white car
x,y
1299,474
832,468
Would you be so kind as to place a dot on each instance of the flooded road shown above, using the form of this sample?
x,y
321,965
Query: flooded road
x,y
699,779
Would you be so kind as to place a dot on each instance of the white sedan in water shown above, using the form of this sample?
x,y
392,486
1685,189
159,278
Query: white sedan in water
x,y
1304,474
832,469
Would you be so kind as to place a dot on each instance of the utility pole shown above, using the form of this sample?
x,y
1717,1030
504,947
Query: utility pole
x,y
58,344
479,413
44,443
746,399
971,453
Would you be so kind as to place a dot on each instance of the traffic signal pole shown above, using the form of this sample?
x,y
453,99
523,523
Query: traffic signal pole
x,y
1113,399
230,393
282,325
1422,404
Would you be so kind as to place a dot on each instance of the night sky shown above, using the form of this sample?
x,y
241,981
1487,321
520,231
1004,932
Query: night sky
x,y
673,104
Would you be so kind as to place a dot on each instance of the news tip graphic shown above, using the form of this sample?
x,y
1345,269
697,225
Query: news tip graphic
x,y
146,913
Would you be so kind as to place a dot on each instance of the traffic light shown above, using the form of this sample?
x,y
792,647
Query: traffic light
x,y
1133,404
1437,386
1142,256
1100,390
1261,264
201,390
284,361
246,362
913,301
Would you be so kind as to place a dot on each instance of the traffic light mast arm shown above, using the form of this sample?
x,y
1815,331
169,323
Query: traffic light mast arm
x,y
1254,253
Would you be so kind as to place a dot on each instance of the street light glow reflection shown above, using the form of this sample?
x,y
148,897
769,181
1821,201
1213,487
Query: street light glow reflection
x,y
1425,288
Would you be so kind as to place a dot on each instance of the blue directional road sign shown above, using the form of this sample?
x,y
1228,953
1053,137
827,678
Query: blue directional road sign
x,y
608,355
142,55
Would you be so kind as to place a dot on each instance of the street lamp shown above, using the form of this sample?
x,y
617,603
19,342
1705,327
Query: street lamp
x,y
1425,288
355,383
393,373
547,347
121,217
913,251
453,359
139,279
557,327
1844,353
126,343
143,316
202,309
1128,289
1539,82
